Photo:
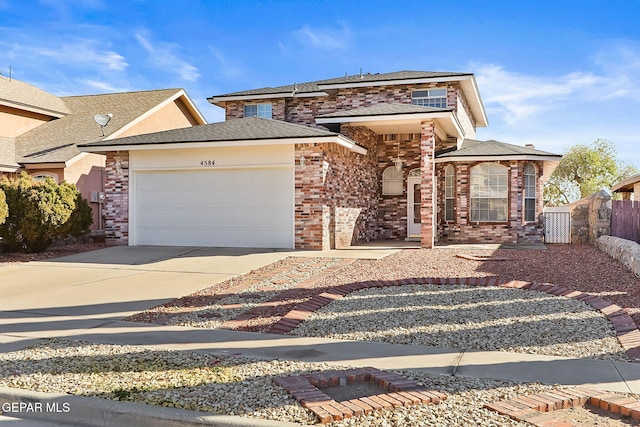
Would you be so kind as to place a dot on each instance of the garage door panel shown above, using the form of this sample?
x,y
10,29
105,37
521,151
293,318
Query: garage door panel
x,y
238,208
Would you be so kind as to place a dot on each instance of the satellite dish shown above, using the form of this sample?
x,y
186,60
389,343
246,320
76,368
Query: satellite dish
x,y
102,120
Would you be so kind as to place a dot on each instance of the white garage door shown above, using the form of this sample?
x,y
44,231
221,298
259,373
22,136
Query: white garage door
x,y
219,208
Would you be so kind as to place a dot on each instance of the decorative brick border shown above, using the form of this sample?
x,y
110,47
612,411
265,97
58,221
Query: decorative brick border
x,y
536,408
402,392
626,330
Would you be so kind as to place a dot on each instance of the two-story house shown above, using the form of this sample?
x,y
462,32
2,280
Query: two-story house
x,y
329,163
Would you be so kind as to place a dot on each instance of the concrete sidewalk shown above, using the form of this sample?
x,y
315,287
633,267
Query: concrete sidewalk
x,y
598,374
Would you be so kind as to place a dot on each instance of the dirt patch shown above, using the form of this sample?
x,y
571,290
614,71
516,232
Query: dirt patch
x,y
590,415
53,252
352,391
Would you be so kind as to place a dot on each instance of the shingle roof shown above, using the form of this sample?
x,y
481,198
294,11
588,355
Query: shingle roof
x,y
8,152
252,128
56,141
491,148
364,78
383,110
23,95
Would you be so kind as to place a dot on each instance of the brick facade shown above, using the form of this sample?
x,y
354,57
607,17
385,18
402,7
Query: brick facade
x,y
514,230
336,193
116,206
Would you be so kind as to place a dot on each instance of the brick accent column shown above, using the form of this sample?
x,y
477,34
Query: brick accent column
x,y
427,164
116,203
312,217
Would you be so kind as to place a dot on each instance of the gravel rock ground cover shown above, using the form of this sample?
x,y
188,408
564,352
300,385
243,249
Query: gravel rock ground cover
x,y
479,318
232,385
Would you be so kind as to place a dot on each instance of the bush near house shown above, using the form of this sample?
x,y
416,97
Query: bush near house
x,y
38,212
4,209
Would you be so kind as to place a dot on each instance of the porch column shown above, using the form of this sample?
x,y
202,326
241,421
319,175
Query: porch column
x,y
427,193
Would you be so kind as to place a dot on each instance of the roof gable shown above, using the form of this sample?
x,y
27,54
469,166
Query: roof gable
x,y
56,141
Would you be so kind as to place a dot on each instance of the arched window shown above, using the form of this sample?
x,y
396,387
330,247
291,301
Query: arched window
x,y
392,182
529,192
42,176
449,193
489,192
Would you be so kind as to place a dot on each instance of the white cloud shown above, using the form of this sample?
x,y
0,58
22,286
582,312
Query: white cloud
x,y
518,97
324,38
100,86
163,55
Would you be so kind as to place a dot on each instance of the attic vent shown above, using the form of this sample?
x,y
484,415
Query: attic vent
x,y
530,145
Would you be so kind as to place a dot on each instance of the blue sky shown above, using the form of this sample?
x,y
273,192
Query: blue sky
x,y
552,73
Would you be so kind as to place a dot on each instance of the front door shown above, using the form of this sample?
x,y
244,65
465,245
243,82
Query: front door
x,y
414,200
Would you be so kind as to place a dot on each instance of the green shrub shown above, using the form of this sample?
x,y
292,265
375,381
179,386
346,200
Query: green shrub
x,y
81,218
4,209
39,212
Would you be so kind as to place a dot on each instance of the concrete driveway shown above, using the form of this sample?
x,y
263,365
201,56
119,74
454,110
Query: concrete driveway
x,y
59,296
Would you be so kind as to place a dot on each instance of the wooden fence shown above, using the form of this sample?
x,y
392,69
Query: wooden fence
x,y
625,219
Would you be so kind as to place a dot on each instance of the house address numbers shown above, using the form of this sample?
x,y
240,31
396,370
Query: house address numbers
x,y
207,162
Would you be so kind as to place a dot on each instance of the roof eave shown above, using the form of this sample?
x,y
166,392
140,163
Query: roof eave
x,y
498,157
336,139
620,186
417,80
221,100
33,109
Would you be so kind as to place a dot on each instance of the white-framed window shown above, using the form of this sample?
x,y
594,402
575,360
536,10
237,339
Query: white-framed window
x,y
489,192
449,193
529,192
392,182
258,110
42,176
436,98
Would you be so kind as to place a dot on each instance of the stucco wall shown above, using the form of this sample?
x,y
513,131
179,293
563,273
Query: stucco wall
x,y
14,122
171,116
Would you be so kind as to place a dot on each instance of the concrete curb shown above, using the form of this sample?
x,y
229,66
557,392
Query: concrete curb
x,y
89,411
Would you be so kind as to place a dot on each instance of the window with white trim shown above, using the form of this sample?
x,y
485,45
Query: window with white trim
x,y
436,98
258,110
489,192
449,193
42,177
529,192
392,182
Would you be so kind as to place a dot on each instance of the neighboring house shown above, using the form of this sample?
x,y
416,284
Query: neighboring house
x,y
39,132
325,164
628,188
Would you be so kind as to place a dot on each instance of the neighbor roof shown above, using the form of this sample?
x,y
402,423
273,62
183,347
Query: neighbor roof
x,y
626,185
56,141
8,155
23,96
257,129
492,148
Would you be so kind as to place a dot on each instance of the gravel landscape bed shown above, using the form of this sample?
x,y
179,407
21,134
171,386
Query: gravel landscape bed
x,y
478,318
233,385
508,319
